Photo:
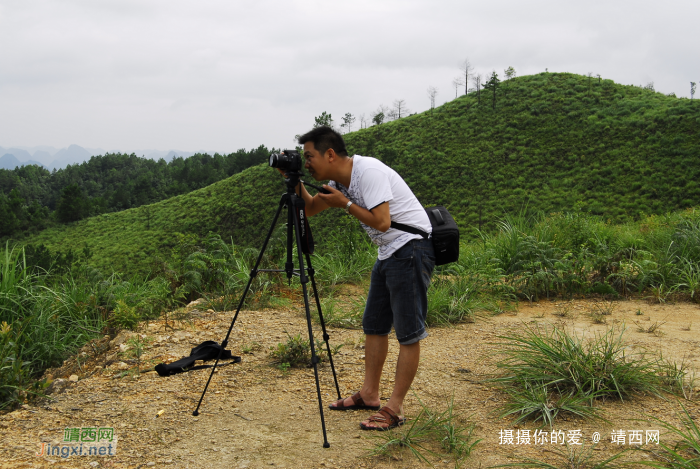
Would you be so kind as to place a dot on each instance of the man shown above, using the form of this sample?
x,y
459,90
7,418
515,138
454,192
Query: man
x,y
376,195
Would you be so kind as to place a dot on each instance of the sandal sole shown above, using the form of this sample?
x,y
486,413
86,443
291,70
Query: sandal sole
x,y
383,429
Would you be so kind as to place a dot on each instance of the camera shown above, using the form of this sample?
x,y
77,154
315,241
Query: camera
x,y
287,160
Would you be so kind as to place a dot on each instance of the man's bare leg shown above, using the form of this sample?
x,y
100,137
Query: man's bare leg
x,y
406,368
376,349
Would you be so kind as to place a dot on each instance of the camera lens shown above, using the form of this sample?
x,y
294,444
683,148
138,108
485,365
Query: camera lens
x,y
288,160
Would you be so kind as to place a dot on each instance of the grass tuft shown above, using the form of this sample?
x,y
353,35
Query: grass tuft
x,y
546,371
430,433
684,452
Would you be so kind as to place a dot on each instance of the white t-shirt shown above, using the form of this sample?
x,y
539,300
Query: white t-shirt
x,y
371,184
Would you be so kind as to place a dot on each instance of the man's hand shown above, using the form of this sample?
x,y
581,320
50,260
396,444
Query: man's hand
x,y
334,199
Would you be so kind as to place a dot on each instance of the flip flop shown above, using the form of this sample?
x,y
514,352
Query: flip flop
x,y
385,415
357,404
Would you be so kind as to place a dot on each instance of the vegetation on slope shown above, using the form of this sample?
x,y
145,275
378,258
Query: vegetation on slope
x,y
32,197
137,240
46,315
553,142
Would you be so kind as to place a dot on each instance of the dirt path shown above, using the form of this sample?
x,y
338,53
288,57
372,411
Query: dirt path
x,y
256,416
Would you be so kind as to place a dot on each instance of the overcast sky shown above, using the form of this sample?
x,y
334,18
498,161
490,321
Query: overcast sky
x,y
223,75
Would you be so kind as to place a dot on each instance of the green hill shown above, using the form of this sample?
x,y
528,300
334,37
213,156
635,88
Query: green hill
x,y
555,141
551,142
241,207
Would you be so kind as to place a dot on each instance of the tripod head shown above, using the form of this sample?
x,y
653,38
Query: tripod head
x,y
291,178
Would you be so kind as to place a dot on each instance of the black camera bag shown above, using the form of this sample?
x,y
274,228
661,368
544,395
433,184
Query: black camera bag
x,y
207,350
445,234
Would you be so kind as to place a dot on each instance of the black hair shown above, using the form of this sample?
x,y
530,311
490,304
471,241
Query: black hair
x,y
324,138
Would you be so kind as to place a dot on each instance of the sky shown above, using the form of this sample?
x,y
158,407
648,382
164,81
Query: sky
x,y
224,75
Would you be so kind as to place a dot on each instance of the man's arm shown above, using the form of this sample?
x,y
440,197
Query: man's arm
x,y
314,204
378,218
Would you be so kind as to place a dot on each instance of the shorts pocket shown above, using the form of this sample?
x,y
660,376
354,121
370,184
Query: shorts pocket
x,y
404,253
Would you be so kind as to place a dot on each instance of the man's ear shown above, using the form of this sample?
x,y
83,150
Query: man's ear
x,y
332,155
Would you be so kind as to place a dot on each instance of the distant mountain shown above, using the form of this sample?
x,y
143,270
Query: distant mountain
x,y
175,153
43,156
72,155
22,155
8,161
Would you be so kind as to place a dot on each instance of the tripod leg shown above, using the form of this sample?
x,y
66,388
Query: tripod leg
x,y
304,280
323,323
253,273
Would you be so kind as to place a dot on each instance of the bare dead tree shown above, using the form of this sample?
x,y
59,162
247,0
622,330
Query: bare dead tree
x,y
432,92
400,108
692,89
457,82
466,68
363,121
477,83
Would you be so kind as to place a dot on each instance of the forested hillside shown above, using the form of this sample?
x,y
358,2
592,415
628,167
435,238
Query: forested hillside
x,y
33,198
549,142
552,142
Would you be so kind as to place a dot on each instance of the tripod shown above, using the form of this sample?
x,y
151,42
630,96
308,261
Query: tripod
x,y
297,226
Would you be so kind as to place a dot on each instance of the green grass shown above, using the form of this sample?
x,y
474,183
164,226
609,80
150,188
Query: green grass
x,y
546,371
45,318
683,451
432,433
296,352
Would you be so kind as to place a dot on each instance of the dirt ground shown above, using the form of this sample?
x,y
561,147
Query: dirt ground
x,y
255,415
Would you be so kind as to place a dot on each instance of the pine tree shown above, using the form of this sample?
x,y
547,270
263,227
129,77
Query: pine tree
x,y
492,84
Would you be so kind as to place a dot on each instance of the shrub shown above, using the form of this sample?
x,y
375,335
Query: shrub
x,y
296,352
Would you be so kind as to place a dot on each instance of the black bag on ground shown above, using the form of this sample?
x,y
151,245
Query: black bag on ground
x,y
445,234
207,350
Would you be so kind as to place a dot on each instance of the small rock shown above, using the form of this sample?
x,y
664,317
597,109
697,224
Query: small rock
x,y
57,386
121,338
151,464
119,366
94,464
196,302
73,378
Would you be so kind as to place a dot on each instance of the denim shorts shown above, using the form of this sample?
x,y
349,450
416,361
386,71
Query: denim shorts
x,y
398,293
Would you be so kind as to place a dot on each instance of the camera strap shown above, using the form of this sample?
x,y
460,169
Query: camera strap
x,y
307,239
409,229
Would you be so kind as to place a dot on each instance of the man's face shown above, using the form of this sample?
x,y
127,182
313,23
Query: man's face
x,y
316,163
